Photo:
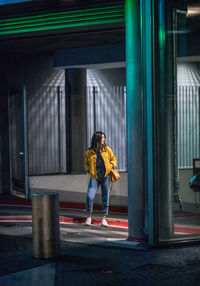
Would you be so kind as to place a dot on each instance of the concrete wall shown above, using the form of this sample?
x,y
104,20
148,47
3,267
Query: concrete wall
x,y
73,188
110,102
19,70
34,72
107,77
90,56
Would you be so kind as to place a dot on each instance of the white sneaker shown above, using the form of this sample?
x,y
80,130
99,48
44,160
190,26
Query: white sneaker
x,y
88,221
104,222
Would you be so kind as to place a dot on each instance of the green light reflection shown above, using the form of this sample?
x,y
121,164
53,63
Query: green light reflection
x,y
69,19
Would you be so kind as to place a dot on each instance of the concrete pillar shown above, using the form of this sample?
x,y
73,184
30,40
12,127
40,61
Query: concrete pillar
x,y
166,173
134,121
76,119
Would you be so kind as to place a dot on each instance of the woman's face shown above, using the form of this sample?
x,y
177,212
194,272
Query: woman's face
x,y
103,139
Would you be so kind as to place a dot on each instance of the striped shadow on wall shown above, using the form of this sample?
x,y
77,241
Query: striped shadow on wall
x,y
106,111
188,123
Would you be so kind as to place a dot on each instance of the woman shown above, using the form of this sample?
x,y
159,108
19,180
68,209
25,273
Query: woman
x,y
99,160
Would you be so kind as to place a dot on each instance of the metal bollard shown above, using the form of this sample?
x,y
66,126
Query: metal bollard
x,y
46,234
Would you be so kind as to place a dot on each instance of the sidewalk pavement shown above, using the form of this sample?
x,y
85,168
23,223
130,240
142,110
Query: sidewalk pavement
x,y
93,263
83,264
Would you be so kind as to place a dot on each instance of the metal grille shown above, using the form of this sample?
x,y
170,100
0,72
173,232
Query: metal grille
x,y
47,129
106,111
188,120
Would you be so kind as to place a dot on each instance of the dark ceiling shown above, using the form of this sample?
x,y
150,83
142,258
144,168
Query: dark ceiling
x,y
35,7
48,43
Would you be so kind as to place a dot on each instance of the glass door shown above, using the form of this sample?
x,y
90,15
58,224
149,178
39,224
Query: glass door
x,y
18,150
179,122
187,212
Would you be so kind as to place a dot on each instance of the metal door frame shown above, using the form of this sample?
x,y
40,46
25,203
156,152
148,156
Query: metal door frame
x,y
22,89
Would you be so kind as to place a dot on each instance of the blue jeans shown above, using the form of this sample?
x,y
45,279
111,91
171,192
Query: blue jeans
x,y
105,192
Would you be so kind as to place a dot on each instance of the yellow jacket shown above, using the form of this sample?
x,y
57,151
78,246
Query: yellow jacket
x,y
108,158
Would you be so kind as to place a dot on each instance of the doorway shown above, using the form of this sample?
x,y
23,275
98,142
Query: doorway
x,y
18,141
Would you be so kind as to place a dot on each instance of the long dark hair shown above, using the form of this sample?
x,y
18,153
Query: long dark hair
x,y
96,141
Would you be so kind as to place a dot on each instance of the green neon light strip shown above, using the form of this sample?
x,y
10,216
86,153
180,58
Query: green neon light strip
x,y
87,23
69,19
58,21
61,15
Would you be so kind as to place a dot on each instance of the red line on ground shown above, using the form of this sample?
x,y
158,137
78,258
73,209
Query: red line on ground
x,y
118,223
70,220
95,221
111,222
